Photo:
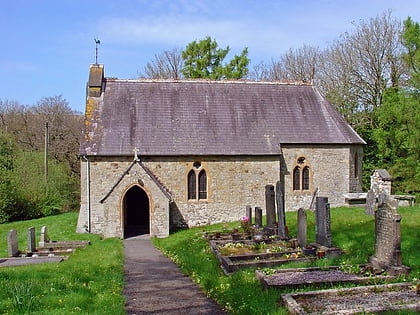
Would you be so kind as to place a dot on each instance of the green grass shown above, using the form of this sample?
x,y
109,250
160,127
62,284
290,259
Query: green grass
x,y
89,282
240,293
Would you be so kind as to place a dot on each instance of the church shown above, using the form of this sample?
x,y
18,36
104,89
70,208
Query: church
x,y
158,155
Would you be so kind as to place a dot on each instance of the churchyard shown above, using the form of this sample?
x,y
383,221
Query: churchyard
x,y
91,279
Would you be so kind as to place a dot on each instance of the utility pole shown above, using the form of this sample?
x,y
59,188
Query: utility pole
x,y
46,153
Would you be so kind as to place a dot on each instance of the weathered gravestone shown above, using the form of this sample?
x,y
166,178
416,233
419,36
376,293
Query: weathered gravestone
x,y
323,222
281,216
302,227
44,237
249,213
12,244
270,205
370,207
388,238
31,240
258,217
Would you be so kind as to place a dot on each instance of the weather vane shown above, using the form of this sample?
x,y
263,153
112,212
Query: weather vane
x,y
97,43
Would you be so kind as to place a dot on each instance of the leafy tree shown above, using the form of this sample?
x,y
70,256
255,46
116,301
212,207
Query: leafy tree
x,y
411,41
204,59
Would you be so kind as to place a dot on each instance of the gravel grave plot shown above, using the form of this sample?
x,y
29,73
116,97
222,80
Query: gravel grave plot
x,y
298,277
371,299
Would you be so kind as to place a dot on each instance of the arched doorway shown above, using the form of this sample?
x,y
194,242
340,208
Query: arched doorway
x,y
136,209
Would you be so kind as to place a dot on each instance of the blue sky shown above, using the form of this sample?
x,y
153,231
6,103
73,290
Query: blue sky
x,y
47,45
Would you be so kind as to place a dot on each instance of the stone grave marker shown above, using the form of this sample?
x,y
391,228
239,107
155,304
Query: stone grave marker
x,y
323,222
258,217
44,237
370,207
281,216
388,238
12,244
302,227
249,213
31,240
270,205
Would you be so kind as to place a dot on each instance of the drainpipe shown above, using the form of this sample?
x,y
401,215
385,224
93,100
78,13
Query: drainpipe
x,y
88,190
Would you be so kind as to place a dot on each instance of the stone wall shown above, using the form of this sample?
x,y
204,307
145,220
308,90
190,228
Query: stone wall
x,y
332,170
233,183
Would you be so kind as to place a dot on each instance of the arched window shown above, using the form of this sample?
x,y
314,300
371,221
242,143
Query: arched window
x,y
197,183
305,178
296,178
202,185
192,185
301,175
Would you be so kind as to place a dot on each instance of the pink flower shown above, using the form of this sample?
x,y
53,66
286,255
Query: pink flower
x,y
244,219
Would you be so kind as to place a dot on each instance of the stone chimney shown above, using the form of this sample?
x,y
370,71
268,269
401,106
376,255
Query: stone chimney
x,y
96,78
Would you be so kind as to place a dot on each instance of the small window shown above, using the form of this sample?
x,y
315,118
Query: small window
x,y
192,189
296,178
197,183
301,175
202,185
356,165
305,178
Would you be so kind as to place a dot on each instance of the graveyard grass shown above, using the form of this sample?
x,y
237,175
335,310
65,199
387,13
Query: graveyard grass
x,y
240,293
91,281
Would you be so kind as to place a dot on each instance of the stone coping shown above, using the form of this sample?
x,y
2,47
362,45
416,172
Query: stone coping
x,y
21,261
295,277
365,299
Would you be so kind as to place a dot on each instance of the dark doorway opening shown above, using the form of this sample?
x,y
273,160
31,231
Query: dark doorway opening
x,y
136,212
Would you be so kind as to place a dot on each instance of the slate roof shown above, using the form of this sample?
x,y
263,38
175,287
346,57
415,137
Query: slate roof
x,y
209,118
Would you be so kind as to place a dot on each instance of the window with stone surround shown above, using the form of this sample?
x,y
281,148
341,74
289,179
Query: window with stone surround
x,y
301,175
197,183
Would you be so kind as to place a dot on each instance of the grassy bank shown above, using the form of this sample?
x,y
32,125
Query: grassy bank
x,y
240,293
90,282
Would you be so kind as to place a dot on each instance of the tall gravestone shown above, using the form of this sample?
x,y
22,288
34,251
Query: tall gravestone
x,y
270,205
249,213
323,222
12,244
31,240
388,238
44,236
302,227
281,215
258,217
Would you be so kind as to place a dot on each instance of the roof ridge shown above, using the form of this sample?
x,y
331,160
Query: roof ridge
x,y
240,81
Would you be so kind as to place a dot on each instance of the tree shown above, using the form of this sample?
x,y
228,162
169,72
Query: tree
x,y
27,125
411,41
203,59
166,65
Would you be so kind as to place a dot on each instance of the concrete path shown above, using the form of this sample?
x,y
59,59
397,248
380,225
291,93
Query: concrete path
x,y
155,285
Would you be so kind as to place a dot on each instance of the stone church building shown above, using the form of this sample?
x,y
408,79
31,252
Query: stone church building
x,y
161,154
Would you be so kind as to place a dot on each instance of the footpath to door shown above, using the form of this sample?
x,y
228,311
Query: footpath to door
x,y
155,285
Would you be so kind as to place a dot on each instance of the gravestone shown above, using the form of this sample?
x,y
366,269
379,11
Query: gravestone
x,y
302,227
281,216
270,205
381,182
370,207
258,217
249,214
12,244
323,222
388,238
44,237
31,240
